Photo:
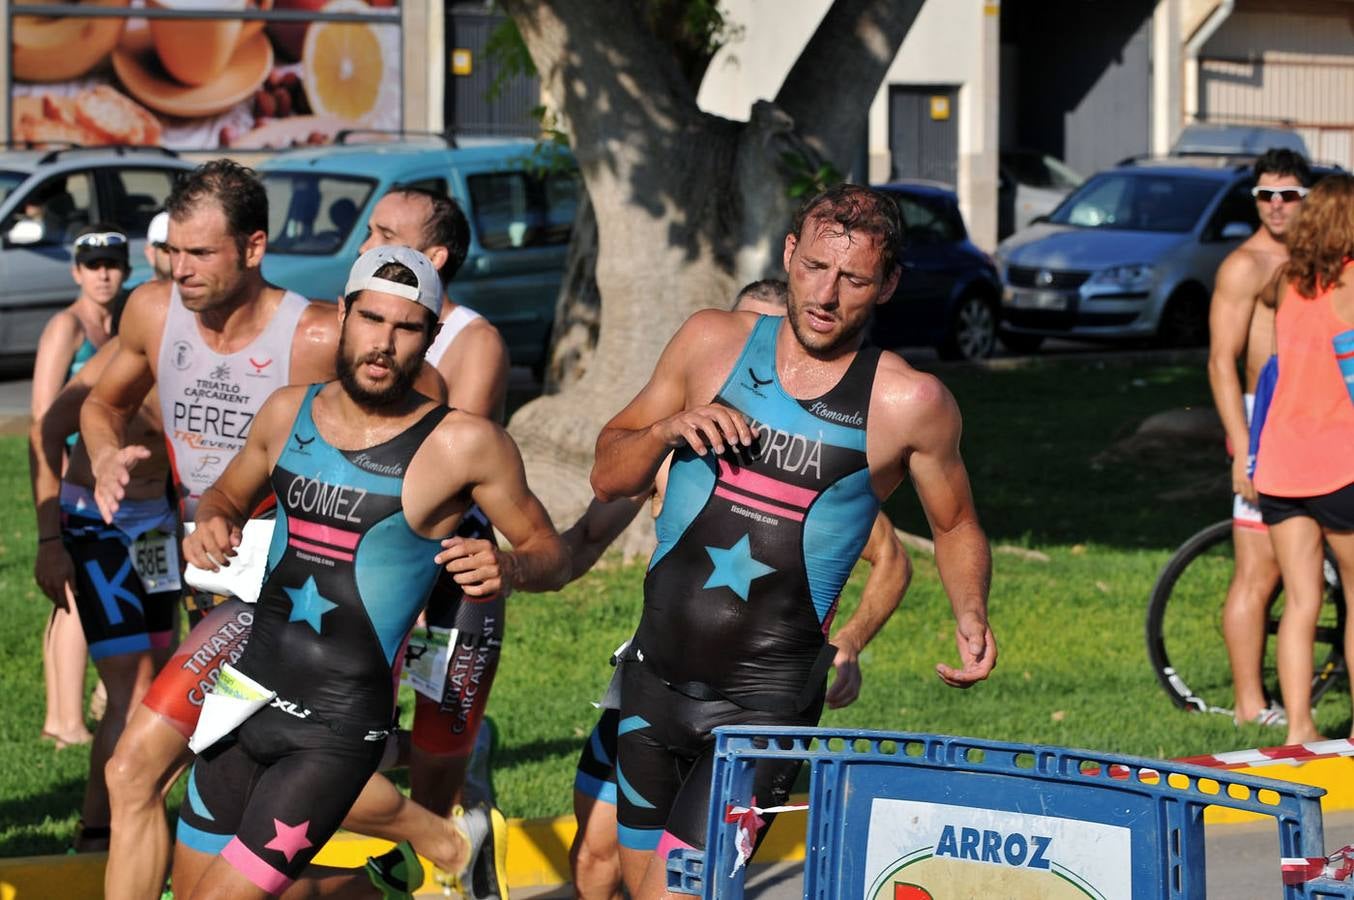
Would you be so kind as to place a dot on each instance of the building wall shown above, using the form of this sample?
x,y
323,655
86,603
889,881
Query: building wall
x,y
1285,66
951,43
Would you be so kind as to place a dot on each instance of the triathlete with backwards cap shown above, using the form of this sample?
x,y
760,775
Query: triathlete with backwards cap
x,y
371,479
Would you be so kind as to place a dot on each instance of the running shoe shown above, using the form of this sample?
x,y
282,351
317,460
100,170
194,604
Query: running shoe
x,y
486,877
397,873
1272,715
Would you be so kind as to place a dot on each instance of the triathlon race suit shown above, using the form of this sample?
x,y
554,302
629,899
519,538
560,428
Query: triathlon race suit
x,y
595,776
468,630
126,574
753,550
346,578
207,403
208,400
1244,513
83,354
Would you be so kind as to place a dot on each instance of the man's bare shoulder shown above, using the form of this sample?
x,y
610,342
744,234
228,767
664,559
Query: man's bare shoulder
x,y
714,330
904,394
314,343
318,322
464,437
1251,264
144,316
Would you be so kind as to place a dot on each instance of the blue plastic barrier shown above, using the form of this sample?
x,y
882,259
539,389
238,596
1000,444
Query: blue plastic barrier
x,y
890,813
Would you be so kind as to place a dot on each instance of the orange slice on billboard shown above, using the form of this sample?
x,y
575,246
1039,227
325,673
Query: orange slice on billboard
x,y
345,65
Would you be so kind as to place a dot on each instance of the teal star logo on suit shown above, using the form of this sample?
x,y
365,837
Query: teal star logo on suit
x,y
308,604
735,568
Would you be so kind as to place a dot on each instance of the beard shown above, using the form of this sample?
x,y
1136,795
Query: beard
x,y
399,388
823,344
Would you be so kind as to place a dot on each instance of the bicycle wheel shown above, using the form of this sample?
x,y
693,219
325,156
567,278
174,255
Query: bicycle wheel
x,y
1184,627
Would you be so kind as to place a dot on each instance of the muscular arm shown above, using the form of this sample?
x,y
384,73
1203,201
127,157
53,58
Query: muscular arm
x,y
634,443
601,523
118,395
538,561
890,573
1229,324
475,368
225,506
962,553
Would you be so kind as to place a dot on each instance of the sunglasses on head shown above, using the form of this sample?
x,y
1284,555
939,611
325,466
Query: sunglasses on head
x,y
1286,194
101,239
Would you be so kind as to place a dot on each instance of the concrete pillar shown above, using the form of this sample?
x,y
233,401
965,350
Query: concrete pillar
x,y
978,154
425,63
1168,115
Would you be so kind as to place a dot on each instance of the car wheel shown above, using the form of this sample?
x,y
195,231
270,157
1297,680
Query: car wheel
x,y
1184,321
1021,343
973,330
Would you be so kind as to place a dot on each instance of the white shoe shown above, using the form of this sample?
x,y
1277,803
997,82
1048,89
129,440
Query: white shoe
x,y
486,875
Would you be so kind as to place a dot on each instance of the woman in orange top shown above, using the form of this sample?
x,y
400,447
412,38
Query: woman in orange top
x,y
1305,466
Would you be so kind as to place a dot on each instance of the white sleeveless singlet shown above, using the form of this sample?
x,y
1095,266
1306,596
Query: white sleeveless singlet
x,y
209,400
455,323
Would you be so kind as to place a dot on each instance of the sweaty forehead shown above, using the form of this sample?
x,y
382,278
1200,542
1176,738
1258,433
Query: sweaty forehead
x,y
389,307
403,214
204,223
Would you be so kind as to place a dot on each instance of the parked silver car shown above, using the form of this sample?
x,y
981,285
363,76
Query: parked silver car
x,y
1129,254
46,196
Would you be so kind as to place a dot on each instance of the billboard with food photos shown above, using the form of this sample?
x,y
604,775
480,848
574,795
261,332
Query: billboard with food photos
x,y
229,74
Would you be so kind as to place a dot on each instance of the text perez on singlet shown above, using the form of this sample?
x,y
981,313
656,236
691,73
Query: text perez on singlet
x,y
203,416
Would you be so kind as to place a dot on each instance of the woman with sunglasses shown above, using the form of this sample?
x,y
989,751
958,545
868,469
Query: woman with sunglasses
x,y
1304,471
70,338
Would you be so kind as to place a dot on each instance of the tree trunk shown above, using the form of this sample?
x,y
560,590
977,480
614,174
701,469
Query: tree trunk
x,y
688,206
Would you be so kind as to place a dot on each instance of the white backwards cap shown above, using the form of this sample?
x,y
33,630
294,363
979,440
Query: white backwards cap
x,y
428,292
157,232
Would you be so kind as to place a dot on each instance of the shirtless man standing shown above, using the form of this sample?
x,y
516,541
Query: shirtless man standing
x,y
785,435
1242,331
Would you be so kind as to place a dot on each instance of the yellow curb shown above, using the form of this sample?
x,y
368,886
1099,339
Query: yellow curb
x,y
1336,775
538,849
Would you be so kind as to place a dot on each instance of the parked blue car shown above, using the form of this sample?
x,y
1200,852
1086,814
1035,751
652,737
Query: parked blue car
x,y
521,214
949,291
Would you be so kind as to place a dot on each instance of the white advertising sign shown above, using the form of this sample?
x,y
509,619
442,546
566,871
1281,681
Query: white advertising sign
x,y
934,851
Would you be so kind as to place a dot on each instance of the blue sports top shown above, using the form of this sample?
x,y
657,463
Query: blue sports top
x,y
754,546
346,575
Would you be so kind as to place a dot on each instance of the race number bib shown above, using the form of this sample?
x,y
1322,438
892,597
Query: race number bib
x,y
425,660
155,556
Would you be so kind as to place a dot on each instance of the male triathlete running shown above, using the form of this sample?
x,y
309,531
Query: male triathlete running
x,y
773,489
594,857
371,479
216,341
472,359
1242,330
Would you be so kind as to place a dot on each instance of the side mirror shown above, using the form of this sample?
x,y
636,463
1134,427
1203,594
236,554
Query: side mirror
x,y
25,233
1235,231
1037,220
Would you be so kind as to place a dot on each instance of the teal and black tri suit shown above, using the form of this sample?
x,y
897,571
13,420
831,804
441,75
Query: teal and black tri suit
x,y
346,578
753,550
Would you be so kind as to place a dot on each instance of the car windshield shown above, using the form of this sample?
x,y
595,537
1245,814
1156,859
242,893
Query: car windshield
x,y
313,214
9,181
1138,202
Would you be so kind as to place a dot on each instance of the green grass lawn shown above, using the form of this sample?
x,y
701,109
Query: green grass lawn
x,y
1045,447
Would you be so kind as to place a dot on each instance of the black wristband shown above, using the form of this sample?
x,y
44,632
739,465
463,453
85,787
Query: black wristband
x,y
44,540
